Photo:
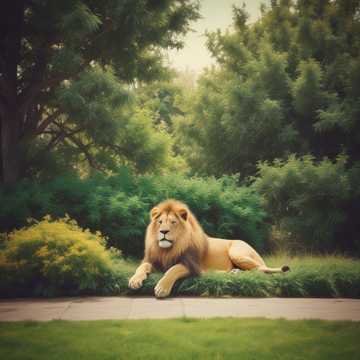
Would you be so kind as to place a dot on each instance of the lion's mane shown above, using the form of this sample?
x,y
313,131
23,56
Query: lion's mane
x,y
188,249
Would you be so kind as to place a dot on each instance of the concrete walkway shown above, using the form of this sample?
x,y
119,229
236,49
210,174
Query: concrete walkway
x,y
100,308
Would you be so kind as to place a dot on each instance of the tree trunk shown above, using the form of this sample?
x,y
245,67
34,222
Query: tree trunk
x,y
12,23
10,148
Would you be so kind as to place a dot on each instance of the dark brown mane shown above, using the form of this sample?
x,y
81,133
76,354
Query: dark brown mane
x,y
190,258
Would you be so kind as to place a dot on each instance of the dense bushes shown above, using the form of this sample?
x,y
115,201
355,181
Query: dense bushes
x,y
54,257
118,206
314,206
309,277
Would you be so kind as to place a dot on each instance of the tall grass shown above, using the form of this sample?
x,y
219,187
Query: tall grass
x,y
310,276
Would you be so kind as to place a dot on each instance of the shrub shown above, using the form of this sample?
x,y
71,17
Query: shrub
x,y
329,276
119,205
311,203
54,257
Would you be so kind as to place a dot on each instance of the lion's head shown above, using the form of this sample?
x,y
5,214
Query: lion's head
x,y
174,236
169,221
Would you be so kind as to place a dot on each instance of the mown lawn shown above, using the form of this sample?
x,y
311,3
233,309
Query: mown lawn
x,y
181,339
310,276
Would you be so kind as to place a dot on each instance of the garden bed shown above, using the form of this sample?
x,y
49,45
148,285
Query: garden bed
x,y
330,276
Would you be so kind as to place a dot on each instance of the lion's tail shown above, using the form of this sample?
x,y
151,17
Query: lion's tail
x,y
270,270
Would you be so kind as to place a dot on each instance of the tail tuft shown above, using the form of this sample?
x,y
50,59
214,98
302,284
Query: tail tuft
x,y
285,268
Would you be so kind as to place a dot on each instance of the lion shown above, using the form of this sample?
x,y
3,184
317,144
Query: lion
x,y
176,245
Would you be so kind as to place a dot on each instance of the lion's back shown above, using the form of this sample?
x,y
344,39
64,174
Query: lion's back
x,y
217,255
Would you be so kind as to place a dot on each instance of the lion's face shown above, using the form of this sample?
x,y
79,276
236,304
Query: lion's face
x,y
174,236
168,226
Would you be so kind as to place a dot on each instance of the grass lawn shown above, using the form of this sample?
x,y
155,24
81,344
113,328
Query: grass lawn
x,y
181,339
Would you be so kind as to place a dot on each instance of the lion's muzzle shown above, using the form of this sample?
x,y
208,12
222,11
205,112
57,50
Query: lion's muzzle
x,y
165,243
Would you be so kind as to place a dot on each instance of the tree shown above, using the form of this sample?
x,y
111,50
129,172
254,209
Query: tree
x,y
44,43
288,83
161,97
98,127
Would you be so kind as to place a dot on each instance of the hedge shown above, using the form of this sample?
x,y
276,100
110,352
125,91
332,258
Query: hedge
x,y
119,206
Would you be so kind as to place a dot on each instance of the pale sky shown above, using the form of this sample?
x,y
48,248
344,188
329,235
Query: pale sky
x,y
216,14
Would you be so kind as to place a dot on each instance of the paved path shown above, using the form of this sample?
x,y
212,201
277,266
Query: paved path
x,y
99,308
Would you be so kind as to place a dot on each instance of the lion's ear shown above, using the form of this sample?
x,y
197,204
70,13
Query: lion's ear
x,y
154,212
183,213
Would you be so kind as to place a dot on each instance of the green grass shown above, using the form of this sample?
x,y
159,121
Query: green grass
x,y
180,339
310,276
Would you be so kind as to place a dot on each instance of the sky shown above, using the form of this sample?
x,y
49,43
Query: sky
x,y
216,14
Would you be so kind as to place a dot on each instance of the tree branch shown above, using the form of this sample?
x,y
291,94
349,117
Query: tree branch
x,y
92,162
84,148
31,118
46,122
57,136
117,148
29,94
54,141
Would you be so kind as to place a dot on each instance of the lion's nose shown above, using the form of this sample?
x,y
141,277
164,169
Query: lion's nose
x,y
164,231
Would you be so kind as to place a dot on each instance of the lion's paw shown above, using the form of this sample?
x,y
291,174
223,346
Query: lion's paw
x,y
161,290
136,282
235,271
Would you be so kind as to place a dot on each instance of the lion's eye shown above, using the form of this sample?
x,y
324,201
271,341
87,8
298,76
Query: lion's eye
x,y
173,222
160,221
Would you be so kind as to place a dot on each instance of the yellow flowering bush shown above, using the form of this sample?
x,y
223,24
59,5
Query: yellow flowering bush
x,y
53,257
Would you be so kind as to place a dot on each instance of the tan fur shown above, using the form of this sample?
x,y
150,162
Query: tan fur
x,y
192,251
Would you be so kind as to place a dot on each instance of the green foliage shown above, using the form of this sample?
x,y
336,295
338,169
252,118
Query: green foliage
x,y
102,127
125,33
326,276
161,98
308,82
76,58
240,110
118,206
54,257
159,104
286,83
311,203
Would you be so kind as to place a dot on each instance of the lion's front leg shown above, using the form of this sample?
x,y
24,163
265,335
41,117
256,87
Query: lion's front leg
x,y
141,273
166,283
